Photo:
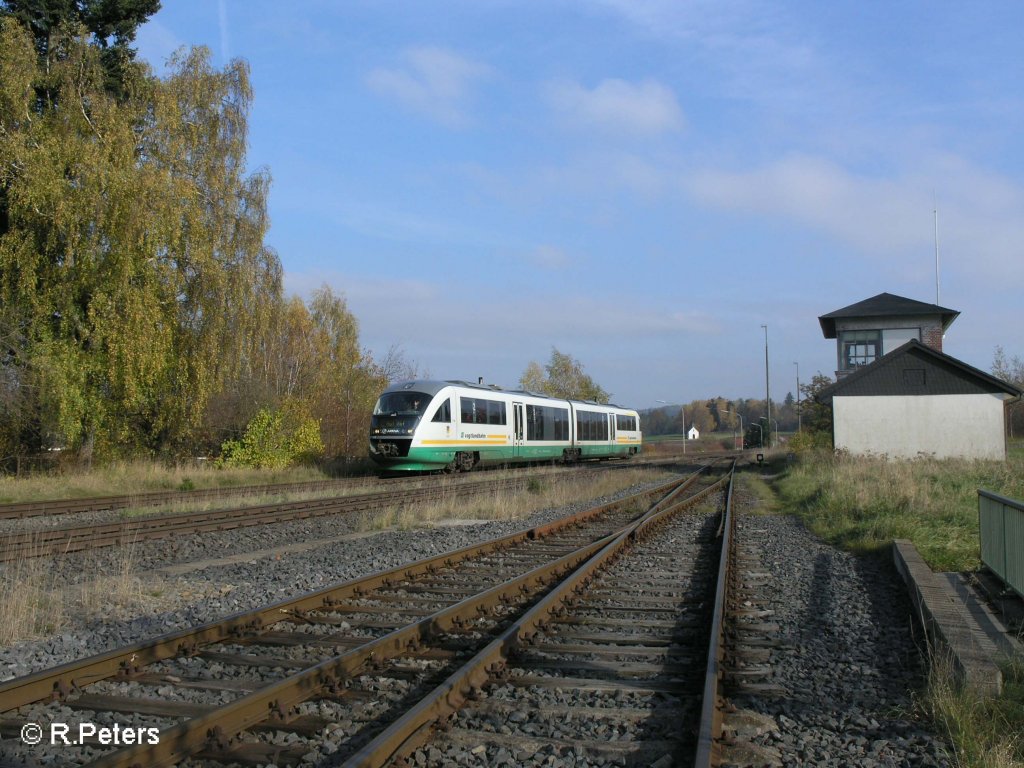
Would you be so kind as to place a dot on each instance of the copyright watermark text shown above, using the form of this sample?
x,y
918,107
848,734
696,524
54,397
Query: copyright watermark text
x,y
88,733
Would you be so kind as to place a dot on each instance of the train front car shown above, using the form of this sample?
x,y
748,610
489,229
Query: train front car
x,y
422,426
628,437
397,423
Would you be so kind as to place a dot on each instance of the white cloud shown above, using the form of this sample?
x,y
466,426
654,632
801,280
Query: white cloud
x,y
979,213
645,109
434,82
754,51
418,313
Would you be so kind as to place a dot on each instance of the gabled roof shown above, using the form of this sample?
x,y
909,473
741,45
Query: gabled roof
x,y
917,369
885,305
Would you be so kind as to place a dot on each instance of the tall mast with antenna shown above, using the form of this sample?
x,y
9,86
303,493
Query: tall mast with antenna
x,y
935,213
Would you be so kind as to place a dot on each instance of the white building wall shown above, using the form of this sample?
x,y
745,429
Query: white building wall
x,y
969,426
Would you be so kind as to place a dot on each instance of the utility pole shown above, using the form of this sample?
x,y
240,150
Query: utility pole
x,y
935,213
682,416
767,389
799,415
742,433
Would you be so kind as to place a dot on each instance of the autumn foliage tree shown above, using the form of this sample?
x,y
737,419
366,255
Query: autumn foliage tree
x,y
141,312
131,228
563,376
1011,370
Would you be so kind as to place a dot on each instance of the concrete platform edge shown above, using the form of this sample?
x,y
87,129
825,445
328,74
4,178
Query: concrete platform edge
x,y
950,626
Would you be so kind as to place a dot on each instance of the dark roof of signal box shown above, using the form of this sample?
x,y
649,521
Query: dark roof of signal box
x,y
885,305
917,369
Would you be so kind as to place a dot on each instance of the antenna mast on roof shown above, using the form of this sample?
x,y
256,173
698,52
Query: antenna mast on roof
x,y
935,213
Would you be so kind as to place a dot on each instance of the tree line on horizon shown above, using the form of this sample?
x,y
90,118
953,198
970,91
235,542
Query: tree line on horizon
x,y
719,414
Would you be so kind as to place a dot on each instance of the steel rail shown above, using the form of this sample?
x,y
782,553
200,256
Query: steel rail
x,y
56,541
710,730
278,699
60,682
411,729
24,509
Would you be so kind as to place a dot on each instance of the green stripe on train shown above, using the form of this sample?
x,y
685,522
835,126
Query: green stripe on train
x,y
420,459
428,458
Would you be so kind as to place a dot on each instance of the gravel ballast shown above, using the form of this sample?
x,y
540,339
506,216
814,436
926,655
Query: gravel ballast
x,y
846,659
216,591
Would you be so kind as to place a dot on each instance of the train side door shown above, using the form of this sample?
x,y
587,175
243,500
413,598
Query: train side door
x,y
611,428
518,428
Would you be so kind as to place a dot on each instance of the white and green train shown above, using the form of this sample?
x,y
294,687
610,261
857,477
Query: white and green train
x,y
455,426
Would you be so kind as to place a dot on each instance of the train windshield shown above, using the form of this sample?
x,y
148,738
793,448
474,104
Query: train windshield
x,y
401,404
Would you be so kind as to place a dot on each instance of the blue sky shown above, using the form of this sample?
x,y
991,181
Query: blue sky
x,y
642,185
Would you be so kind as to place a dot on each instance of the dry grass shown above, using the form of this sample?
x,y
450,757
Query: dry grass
x,y
209,505
39,599
125,478
33,605
865,503
985,732
529,496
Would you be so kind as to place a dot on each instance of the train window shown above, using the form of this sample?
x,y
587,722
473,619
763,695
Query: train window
x,y
495,412
468,410
561,423
444,413
546,423
401,402
625,423
591,425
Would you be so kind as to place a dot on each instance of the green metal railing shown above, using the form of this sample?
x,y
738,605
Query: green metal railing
x,y
1001,522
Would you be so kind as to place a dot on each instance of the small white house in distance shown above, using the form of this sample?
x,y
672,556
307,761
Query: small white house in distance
x,y
693,434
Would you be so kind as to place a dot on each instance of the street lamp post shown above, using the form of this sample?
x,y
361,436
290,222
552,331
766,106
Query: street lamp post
x,y
682,415
776,431
767,390
799,415
742,433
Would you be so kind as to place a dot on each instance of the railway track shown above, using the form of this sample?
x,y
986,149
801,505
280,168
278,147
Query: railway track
x,y
19,545
611,667
46,507
345,662
55,507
